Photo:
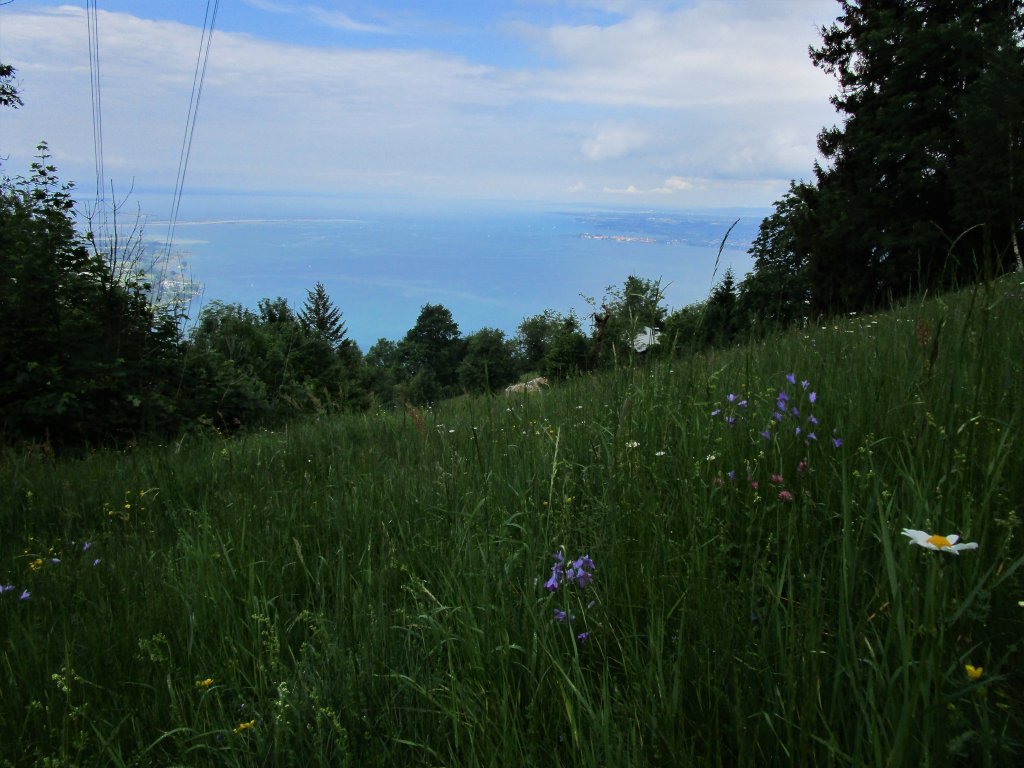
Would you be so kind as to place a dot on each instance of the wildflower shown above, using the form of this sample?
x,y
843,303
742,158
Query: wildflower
x,y
711,457
730,420
947,543
767,435
801,467
36,564
777,416
785,495
204,683
582,637
563,616
811,436
716,412
719,482
742,403
86,545
731,474
245,726
577,572
580,573
7,588
791,378
632,444
777,479
659,453
837,442
973,672
754,484
813,397
731,397
812,420
25,595
805,384
96,562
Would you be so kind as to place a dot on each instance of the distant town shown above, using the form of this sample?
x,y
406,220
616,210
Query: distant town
x,y
619,238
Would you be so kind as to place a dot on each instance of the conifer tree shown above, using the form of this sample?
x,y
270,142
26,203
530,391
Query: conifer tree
x,y
887,214
322,318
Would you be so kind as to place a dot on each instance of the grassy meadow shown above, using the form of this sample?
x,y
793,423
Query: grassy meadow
x,y
383,589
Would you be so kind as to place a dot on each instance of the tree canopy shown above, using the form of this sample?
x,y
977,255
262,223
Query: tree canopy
x,y
930,118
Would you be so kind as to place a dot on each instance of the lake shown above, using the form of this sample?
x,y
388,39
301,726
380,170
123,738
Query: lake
x,y
491,268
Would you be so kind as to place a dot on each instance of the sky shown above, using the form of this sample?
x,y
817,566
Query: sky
x,y
676,105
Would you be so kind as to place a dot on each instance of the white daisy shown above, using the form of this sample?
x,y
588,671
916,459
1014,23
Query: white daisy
x,y
947,543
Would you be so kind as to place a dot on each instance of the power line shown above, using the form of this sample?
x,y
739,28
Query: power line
x,y
202,58
92,20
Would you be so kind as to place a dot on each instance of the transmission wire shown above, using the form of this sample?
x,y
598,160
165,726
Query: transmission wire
x,y
92,22
202,59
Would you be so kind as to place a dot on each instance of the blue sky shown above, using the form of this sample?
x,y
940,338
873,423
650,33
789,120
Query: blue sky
x,y
589,102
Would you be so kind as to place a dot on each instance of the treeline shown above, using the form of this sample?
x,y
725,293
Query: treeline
x,y
919,190
88,358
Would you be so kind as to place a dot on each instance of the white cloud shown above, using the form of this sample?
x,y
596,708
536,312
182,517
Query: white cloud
x,y
613,141
320,15
708,53
644,106
341,20
672,185
630,190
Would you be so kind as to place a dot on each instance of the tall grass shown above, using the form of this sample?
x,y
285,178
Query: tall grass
x,y
370,590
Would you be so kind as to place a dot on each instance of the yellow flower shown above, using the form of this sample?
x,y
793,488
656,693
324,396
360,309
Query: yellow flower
x,y
973,672
36,564
245,726
204,683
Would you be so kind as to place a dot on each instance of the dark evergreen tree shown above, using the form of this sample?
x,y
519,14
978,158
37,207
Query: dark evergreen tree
x,y
320,317
720,323
777,292
886,216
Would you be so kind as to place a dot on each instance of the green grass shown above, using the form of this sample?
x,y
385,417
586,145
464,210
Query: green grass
x,y
369,590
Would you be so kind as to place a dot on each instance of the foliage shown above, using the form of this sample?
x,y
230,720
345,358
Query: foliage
x,y
429,354
378,588
721,321
683,332
567,351
245,368
534,337
320,317
898,191
638,304
488,362
86,358
776,294
9,96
